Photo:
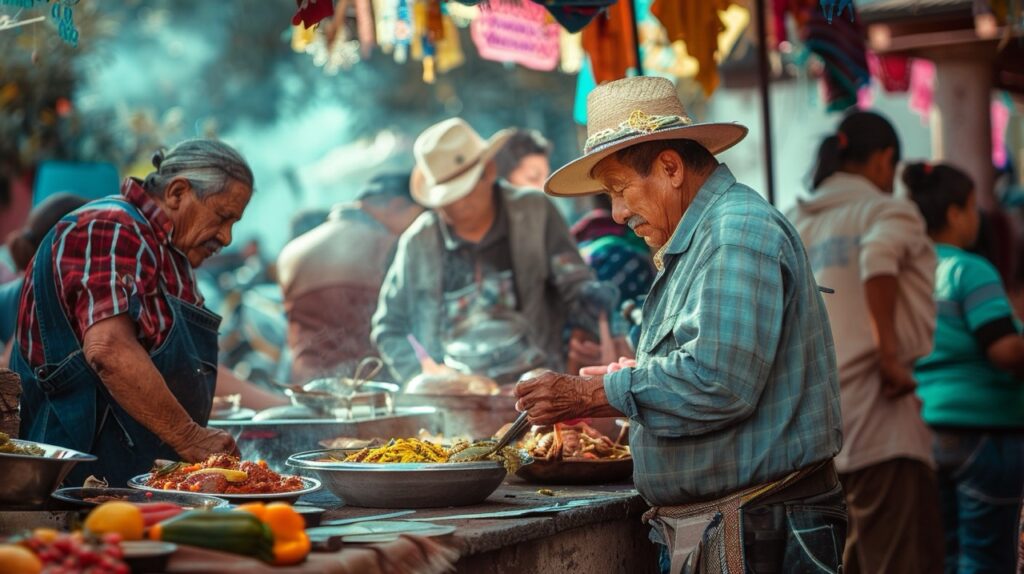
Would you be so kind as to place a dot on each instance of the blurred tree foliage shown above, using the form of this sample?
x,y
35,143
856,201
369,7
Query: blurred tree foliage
x,y
37,86
250,76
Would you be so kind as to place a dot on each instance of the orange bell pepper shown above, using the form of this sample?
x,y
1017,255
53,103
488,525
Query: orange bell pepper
x,y
255,508
291,543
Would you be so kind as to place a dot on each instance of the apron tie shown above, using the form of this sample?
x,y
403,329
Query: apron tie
x,y
725,545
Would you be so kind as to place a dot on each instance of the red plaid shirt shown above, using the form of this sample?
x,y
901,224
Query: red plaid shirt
x,y
107,263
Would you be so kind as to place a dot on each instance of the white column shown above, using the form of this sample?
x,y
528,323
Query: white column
x,y
961,119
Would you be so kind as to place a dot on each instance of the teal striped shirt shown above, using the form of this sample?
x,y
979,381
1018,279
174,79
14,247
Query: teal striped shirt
x,y
736,381
957,383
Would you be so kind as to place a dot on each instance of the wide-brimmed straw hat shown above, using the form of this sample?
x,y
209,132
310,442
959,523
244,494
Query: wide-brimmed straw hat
x,y
631,111
450,160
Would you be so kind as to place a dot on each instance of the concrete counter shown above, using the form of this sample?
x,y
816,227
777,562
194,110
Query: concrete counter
x,y
603,536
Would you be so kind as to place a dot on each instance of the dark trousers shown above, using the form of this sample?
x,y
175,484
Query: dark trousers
x,y
796,536
981,475
895,524
798,530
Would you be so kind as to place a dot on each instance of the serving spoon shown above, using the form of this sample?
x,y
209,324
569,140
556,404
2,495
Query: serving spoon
x,y
481,452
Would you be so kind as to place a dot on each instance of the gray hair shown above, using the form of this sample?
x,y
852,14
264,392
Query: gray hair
x,y
209,165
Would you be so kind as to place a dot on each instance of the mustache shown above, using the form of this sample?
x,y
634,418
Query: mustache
x,y
213,246
635,221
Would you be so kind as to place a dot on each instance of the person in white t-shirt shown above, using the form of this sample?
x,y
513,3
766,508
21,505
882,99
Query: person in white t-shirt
x,y
873,249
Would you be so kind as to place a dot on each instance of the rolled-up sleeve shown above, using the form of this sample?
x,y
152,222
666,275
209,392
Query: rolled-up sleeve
x,y
709,370
897,232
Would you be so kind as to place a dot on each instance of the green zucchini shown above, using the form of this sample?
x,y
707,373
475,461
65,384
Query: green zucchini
x,y
231,531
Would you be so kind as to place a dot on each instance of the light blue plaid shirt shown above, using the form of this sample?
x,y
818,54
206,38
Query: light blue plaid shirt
x,y
736,382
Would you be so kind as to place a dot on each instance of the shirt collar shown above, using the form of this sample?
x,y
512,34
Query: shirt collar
x,y
498,230
718,183
132,191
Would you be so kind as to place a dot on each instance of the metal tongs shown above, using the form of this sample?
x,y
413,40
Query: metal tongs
x,y
365,371
481,452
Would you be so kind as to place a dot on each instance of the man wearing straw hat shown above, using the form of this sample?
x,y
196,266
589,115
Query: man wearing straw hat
x,y
733,396
482,250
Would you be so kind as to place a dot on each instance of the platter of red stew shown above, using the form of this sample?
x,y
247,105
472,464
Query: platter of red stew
x,y
226,477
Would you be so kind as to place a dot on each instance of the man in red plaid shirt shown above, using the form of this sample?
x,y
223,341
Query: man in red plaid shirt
x,y
117,354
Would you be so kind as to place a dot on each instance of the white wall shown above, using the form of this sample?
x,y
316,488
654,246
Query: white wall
x,y
799,123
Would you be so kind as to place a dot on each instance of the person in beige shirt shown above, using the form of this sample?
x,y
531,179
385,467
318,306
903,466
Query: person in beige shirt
x,y
331,277
873,249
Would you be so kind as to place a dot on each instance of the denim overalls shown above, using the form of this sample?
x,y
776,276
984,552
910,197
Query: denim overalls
x,y
65,403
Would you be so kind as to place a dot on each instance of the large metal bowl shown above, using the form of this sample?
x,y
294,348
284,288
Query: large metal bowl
x,y
26,481
403,485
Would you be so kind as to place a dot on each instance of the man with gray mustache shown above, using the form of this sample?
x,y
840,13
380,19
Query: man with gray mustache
x,y
117,355
733,398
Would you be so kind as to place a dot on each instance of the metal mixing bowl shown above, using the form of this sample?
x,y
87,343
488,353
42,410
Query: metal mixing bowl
x,y
26,481
403,485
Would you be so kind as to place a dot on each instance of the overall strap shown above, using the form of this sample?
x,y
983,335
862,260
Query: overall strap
x,y
59,340
54,329
113,202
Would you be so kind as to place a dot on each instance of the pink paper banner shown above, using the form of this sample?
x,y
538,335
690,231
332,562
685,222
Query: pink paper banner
x,y
520,33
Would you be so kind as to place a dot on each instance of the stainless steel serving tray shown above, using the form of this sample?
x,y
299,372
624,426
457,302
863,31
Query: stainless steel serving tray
x,y
404,485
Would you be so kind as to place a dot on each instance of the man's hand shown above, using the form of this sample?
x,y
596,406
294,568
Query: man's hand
x,y
583,351
198,443
554,397
897,379
599,370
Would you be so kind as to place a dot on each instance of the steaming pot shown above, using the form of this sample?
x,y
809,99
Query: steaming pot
x,y
498,347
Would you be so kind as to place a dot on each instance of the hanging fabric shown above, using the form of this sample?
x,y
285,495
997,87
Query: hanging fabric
x,y
364,27
574,15
892,71
403,30
570,51
311,12
584,84
698,25
1000,124
386,17
610,44
840,45
302,37
449,49
922,89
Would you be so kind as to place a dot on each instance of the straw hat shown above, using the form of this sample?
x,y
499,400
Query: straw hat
x,y
631,111
450,159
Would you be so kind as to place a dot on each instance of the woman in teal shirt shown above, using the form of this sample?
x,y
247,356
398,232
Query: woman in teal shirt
x,y
971,384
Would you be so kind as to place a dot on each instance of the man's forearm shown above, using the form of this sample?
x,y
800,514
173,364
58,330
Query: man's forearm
x,y
597,399
881,293
253,396
139,388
